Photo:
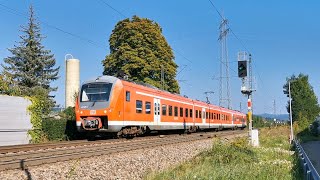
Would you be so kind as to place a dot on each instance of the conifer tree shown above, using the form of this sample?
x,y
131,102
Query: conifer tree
x,y
31,66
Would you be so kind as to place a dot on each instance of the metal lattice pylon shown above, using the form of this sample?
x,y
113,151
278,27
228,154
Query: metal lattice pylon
x,y
224,90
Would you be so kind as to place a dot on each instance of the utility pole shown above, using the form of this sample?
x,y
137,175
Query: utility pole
x,y
291,128
274,109
224,90
162,77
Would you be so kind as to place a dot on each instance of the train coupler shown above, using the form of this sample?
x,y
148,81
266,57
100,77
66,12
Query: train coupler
x,y
91,123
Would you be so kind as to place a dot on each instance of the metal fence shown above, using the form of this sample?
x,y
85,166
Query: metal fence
x,y
310,173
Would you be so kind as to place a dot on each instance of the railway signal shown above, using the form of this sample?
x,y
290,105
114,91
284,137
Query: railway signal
x,y
246,89
242,69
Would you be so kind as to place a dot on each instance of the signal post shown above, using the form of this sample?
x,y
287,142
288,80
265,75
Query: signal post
x,y
244,59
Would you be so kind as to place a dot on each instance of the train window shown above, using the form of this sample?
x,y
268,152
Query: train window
x,y
175,111
164,109
219,116
196,113
191,113
200,112
207,115
128,96
138,106
181,112
211,115
170,110
186,112
148,108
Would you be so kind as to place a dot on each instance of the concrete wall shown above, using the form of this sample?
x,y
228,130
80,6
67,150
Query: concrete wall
x,y
14,120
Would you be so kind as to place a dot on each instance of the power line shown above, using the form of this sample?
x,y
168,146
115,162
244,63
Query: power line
x,y
18,13
230,29
124,16
121,14
233,33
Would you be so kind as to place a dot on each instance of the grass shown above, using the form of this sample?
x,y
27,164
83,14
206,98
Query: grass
x,y
274,159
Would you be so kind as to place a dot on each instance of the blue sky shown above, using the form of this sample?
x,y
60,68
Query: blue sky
x,y
281,35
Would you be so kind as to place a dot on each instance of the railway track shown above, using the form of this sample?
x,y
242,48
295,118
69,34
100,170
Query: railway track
x,y
22,160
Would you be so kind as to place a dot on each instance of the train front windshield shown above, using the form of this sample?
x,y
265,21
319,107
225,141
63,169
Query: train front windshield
x,y
93,92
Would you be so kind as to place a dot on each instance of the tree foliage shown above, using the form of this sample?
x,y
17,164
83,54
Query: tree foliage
x,y
40,106
259,122
139,50
304,103
30,66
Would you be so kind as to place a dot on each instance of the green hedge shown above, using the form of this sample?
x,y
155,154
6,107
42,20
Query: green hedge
x,y
59,130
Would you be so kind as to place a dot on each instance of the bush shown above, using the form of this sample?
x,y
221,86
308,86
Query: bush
x,y
68,113
60,130
55,129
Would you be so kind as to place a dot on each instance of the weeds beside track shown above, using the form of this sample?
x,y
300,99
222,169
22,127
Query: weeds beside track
x,y
274,159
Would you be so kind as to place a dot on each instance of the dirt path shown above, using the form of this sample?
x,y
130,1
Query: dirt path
x,y
312,149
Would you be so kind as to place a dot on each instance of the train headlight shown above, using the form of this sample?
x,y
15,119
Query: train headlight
x,y
105,111
81,112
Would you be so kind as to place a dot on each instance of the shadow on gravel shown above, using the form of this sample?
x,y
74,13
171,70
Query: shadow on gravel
x,y
26,171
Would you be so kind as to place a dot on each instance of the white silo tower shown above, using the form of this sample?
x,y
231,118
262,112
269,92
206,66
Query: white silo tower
x,y
72,80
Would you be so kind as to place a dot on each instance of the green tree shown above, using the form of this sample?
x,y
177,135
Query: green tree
x,y
139,50
7,85
304,101
30,66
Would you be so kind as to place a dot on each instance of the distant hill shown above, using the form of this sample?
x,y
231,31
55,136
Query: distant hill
x,y
272,116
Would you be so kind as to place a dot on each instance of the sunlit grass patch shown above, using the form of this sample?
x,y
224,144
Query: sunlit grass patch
x,y
274,159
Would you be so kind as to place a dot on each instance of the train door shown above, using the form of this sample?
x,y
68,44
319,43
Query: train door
x,y
232,117
156,111
203,116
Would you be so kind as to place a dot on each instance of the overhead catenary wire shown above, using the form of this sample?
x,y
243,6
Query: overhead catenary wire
x,y
114,9
124,16
174,50
89,41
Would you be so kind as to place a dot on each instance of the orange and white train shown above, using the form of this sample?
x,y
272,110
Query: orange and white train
x,y
109,104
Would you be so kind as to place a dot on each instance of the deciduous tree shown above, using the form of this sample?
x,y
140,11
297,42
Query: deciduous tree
x,y
304,101
139,50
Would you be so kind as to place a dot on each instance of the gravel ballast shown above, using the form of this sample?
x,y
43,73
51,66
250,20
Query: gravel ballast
x,y
125,165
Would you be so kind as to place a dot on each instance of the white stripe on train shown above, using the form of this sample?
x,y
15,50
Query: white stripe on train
x,y
168,99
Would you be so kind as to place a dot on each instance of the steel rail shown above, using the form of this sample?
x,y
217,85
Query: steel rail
x,y
22,161
33,147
